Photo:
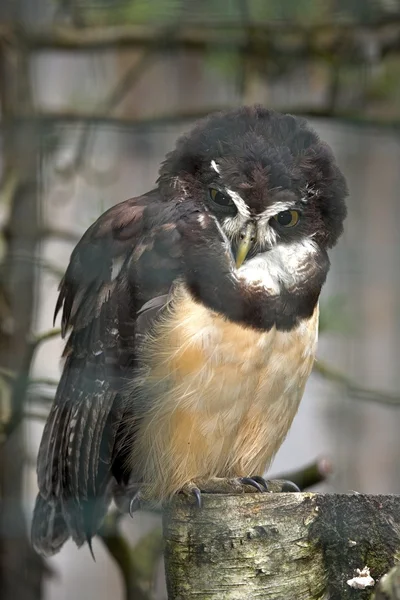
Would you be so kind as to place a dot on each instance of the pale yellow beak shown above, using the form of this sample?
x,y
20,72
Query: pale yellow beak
x,y
246,242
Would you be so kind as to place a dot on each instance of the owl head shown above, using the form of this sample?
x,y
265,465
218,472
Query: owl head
x,y
262,174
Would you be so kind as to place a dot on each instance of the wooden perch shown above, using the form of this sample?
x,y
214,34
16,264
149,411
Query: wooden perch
x,y
297,546
389,586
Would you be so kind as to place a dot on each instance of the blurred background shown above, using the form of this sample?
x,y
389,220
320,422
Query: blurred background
x,y
93,94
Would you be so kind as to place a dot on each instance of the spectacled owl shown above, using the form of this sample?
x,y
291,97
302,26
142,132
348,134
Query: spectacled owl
x,y
192,313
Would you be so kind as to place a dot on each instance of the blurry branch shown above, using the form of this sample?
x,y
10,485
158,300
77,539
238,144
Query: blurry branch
x,y
137,565
119,549
70,9
39,338
22,570
7,374
356,391
22,381
59,233
47,381
11,375
295,39
333,86
145,557
311,475
35,416
8,186
57,272
144,123
245,70
47,232
130,78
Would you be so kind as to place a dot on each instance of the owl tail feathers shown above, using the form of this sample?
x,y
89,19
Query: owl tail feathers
x,y
54,521
49,530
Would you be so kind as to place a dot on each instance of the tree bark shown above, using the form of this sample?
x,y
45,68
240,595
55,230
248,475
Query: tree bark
x,y
389,586
301,546
21,569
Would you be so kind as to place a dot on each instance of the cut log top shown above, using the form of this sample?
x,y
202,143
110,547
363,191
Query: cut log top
x,y
297,546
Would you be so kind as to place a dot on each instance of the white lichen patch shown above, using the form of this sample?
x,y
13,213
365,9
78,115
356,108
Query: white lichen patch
x,y
362,580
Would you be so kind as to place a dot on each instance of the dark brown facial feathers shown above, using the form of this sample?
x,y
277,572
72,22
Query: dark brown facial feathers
x,y
259,153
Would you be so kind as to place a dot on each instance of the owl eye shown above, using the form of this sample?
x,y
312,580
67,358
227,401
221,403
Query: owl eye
x,y
221,199
287,218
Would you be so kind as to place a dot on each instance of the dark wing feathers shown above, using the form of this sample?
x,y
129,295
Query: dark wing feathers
x,y
101,296
89,275
49,529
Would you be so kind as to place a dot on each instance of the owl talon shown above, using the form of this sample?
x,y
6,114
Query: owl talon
x,y
289,486
135,503
190,490
262,482
197,494
253,481
279,486
219,485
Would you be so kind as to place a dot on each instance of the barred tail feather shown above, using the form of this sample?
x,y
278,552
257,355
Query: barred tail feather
x,y
49,531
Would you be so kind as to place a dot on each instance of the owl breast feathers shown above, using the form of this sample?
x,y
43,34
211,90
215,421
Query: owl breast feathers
x,y
192,314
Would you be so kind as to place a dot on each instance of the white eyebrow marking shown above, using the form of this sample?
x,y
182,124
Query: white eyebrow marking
x,y
241,205
215,166
275,209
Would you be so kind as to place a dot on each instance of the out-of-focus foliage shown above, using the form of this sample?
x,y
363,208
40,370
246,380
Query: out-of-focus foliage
x,y
385,85
137,563
307,12
333,316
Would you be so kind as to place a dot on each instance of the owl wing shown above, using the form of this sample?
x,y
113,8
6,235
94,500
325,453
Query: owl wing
x,y
125,261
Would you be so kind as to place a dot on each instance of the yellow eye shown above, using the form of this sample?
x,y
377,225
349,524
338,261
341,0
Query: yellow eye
x,y
287,218
220,198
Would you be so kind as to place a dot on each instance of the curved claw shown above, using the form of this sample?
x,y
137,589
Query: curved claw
x,y
197,494
134,503
253,482
289,486
262,482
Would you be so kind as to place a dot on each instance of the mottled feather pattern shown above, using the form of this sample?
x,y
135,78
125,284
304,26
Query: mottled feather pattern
x,y
49,528
77,453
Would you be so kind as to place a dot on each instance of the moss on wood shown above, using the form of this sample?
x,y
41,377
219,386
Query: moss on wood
x,y
278,546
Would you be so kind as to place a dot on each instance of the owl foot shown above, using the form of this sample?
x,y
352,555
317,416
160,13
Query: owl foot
x,y
278,486
219,485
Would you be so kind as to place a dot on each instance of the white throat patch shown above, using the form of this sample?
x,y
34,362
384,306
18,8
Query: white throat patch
x,y
284,266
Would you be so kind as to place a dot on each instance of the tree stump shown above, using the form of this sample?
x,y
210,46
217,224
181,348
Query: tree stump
x,y
287,546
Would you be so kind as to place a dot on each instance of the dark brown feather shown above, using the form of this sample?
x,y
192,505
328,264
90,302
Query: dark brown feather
x,y
49,529
78,458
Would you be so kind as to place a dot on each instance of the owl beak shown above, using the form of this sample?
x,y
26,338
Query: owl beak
x,y
247,237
